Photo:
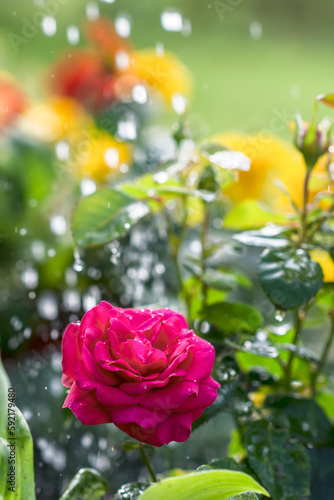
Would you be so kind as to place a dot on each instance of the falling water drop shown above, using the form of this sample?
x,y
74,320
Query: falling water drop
x,y
279,315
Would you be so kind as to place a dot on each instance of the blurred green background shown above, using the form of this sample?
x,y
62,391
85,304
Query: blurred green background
x,y
252,61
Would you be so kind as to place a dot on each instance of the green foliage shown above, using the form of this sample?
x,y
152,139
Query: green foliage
x,y
280,462
233,317
206,485
322,473
306,419
289,277
105,216
23,445
87,484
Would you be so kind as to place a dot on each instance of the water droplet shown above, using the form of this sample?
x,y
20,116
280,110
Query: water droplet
x,y
123,25
111,158
279,315
88,187
47,305
255,30
92,11
73,35
49,26
139,94
29,278
58,225
171,20
122,60
62,150
179,103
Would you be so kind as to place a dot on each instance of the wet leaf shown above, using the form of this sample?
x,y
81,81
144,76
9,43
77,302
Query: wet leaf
x,y
105,216
266,237
87,484
232,317
280,462
131,491
206,485
257,347
22,441
300,351
289,277
219,280
322,473
307,420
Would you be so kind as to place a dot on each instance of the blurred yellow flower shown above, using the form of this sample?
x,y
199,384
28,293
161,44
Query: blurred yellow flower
x,y
162,72
272,159
101,156
54,119
325,261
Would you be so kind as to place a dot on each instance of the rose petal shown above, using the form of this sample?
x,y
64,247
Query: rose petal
x,y
170,398
207,393
95,371
98,316
200,361
70,352
147,419
174,428
85,407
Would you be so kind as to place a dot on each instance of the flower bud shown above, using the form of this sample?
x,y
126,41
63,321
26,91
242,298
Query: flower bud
x,y
312,139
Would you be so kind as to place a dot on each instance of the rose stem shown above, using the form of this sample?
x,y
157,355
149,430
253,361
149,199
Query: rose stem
x,y
204,235
304,209
324,355
147,462
298,326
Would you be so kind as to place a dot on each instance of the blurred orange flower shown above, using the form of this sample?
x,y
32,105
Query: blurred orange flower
x,y
83,76
54,119
110,69
162,72
272,160
12,101
101,156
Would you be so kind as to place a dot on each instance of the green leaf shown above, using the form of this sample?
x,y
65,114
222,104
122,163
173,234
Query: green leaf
x,y
233,317
246,496
22,444
105,216
131,491
265,237
280,462
326,402
206,485
208,181
322,475
257,347
290,278
251,214
87,484
204,195
300,351
307,420
4,385
220,281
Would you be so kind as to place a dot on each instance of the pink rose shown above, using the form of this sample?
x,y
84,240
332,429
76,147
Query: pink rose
x,y
142,370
